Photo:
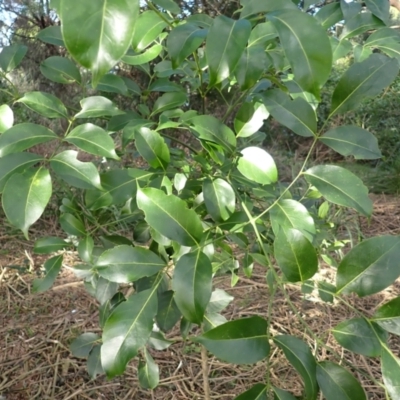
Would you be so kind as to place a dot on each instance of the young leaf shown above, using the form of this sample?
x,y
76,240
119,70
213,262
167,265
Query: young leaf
x,y
170,216
360,336
25,197
90,34
300,356
257,165
388,316
126,330
352,141
168,313
49,244
23,136
192,283
93,140
306,46
295,255
97,106
6,118
257,392
362,80
142,58
83,175
52,267
82,345
148,372
60,70
337,383
44,104
152,147
225,43
51,35
340,186
169,101
219,198
250,118
242,341
11,56
369,267
125,264
391,373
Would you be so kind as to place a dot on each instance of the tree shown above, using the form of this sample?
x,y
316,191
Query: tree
x,y
183,211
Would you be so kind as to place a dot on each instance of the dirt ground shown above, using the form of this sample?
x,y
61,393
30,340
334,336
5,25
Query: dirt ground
x,y
35,332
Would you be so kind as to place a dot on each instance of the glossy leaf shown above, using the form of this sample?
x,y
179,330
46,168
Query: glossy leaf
x,y
192,283
152,147
25,197
242,341
60,70
82,345
219,198
352,141
297,114
97,106
252,7
363,80
295,255
93,140
85,249
257,392
79,174
288,214
369,267
306,46
112,83
257,165
169,101
225,43
340,186
125,264
170,216
387,40
168,313
72,225
90,34
126,330
388,316
11,56
6,118
23,136
391,373
148,372
337,383
51,35
250,118
299,355
183,40
49,244
143,58
360,336
44,104
52,267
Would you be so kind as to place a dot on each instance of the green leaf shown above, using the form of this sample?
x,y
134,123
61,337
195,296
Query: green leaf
x,y
72,225
147,28
388,316
168,312
340,48
252,7
49,244
60,70
105,290
250,118
225,43
44,104
148,372
257,392
169,101
340,186
97,106
94,362
93,140
82,345
112,83
192,283
11,56
369,267
15,163
300,356
326,291
52,267
363,80
295,255
51,35
329,15
152,147
183,40
6,118
158,341
23,136
306,45
90,34
126,330
280,394
119,122
391,373
297,114
219,198
261,34
168,5
170,216
85,249
354,141
387,40
380,8
143,58
213,130
219,301
25,197
360,23
125,264
288,213
257,165
350,9
83,175
360,336
337,383
243,341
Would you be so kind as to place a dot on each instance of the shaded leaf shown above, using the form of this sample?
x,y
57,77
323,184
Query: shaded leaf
x,y
11,56
152,147
280,394
51,35
252,7
112,83
391,372
360,23
72,225
49,244
94,362
6,118
82,345
44,104
168,313
148,372
257,392
60,69
52,267
169,101
388,316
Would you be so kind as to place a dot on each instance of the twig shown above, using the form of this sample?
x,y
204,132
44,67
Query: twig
x,y
204,367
